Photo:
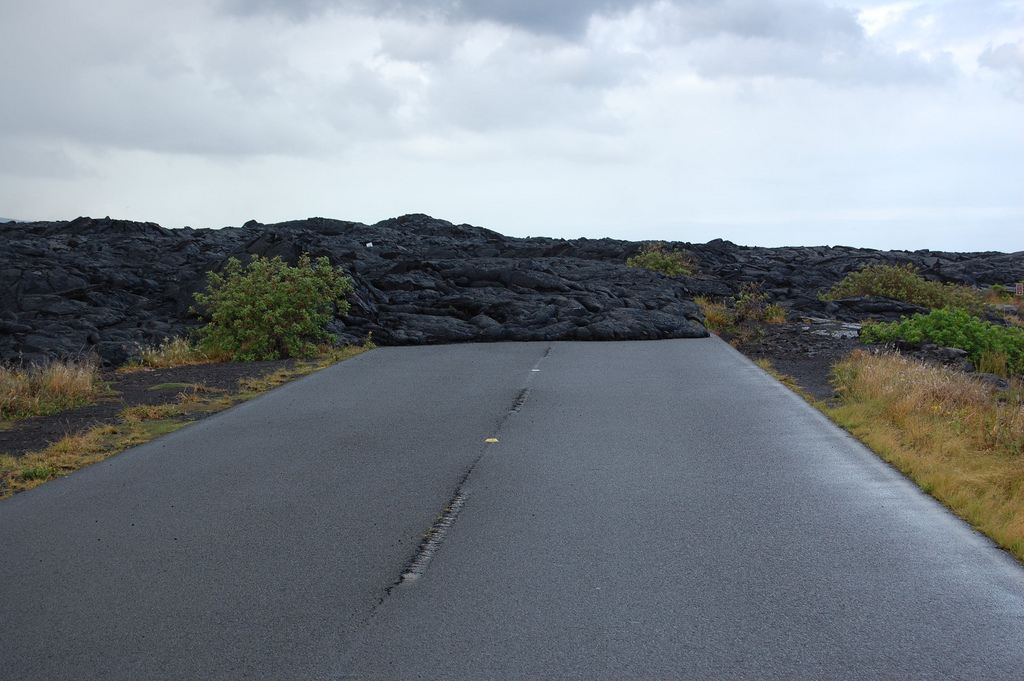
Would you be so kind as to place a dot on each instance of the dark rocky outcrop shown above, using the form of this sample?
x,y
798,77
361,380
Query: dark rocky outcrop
x,y
110,286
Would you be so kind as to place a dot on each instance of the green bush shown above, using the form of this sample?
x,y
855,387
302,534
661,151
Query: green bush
x,y
753,303
654,257
904,283
270,310
955,329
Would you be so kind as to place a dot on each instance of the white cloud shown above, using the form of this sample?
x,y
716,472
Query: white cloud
x,y
1008,57
516,115
28,158
567,18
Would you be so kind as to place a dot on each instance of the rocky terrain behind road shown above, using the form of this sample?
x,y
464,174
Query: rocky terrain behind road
x,y
108,287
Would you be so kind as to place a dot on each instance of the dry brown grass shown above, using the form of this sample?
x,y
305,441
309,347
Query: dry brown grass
x,y
173,352
999,295
45,390
77,451
955,436
717,316
740,324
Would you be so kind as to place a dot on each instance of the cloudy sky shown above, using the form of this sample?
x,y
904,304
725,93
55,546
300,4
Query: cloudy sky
x,y
766,122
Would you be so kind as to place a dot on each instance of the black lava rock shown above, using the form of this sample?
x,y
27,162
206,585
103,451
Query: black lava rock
x,y
110,287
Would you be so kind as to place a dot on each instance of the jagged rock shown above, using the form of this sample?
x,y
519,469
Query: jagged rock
x,y
954,358
113,286
997,382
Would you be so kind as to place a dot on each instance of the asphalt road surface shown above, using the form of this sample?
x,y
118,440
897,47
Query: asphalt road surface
x,y
648,509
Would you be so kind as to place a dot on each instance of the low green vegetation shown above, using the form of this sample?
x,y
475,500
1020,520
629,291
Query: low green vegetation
x,y
753,303
997,349
269,310
654,257
906,284
741,315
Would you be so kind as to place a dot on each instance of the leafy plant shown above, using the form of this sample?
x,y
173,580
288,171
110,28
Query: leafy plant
x,y
654,257
718,318
270,310
39,472
905,284
956,329
752,303
743,318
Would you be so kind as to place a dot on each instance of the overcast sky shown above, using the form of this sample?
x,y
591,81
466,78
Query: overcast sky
x,y
765,122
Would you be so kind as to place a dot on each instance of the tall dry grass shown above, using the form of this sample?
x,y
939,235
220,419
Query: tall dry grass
x,y
36,391
956,436
172,352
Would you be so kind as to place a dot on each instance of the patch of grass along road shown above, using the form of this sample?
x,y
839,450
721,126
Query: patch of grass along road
x,y
956,437
140,424
173,352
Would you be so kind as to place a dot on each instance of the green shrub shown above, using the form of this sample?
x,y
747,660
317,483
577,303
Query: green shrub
x,y
270,310
654,257
742,319
718,318
753,303
904,283
955,329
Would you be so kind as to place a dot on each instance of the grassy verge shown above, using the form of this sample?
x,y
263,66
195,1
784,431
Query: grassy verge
x,y
956,437
140,424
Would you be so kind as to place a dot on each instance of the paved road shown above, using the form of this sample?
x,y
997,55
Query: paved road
x,y
659,509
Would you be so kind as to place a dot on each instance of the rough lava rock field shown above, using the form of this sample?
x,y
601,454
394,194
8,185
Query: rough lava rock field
x,y
108,287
